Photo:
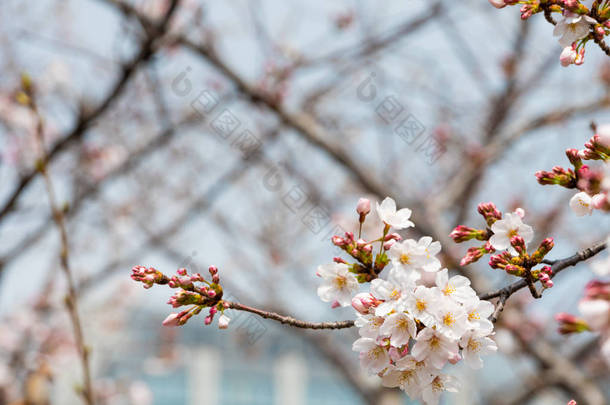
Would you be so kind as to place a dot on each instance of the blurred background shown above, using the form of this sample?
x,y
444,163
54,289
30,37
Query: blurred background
x,y
241,134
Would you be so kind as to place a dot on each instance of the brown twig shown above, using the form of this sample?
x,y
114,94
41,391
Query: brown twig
x,y
557,267
87,118
289,320
71,300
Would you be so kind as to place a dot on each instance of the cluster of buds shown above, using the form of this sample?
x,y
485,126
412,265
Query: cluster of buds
x,y
194,291
593,183
368,264
578,25
595,310
510,236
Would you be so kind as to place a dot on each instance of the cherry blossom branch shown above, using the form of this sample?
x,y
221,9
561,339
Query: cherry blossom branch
x,y
557,266
71,300
87,118
288,320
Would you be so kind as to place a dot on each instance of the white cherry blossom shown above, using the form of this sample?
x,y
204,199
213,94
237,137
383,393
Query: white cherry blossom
x,y
474,344
369,325
431,392
572,28
400,327
456,287
434,347
390,216
451,319
389,292
339,284
580,204
421,303
373,358
505,229
478,312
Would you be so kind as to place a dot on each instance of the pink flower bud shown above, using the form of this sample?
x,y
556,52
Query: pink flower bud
x,y
570,324
367,248
335,304
336,260
223,322
598,201
455,358
361,243
572,402
338,241
213,270
181,272
387,245
364,206
171,320
497,3
520,211
392,236
604,135
362,302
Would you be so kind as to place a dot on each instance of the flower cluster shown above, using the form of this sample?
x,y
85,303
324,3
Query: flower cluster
x,y
415,318
579,24
595,311
593,183
510,235
194,291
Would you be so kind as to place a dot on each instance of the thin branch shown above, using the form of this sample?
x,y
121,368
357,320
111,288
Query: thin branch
x,y
557,267
87,118
71,300
289,320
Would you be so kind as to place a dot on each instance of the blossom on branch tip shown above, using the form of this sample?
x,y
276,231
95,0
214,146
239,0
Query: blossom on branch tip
x,y
390,216
572,28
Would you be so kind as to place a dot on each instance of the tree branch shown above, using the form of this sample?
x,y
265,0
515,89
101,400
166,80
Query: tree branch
x,y
557,267
289,320
86,119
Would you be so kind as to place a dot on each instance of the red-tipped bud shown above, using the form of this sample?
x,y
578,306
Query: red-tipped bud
x,y
338,241
392,236
462,233
518,243
363,302
570,324
545,247
515,270
361,243
489,212
388,245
